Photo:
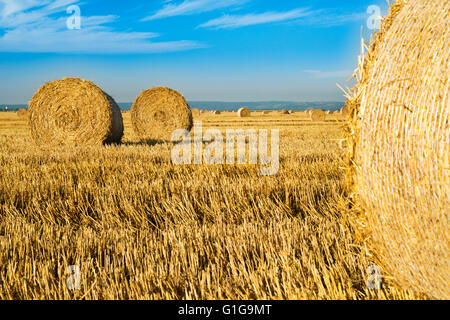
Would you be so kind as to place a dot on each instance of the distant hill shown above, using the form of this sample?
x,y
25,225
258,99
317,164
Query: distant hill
x,y
232,106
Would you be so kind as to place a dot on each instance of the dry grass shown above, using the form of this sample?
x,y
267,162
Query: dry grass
x,y
142,228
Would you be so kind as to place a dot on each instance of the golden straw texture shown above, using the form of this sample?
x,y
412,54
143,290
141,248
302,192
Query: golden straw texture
x,y
74,111
400,135
157,112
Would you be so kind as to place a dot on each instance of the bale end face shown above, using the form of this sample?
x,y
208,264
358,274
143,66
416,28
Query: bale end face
x,y
244,112
74,111
317,115
157,112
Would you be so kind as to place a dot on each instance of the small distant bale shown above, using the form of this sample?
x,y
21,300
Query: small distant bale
x,y
157,112
244,112
74,111
265,113
216,113
22,113
345,111
291,111
284,111
317,115
203,111
195,112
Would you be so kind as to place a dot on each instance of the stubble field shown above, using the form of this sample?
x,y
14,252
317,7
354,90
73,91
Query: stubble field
x,y
140,227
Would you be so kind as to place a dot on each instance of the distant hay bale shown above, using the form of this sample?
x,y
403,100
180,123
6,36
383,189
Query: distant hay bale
x,y
317,115
22,113
291,111
203,111
74,111
195,112
400,145
345,111
284,111
216,112
157,112
244,112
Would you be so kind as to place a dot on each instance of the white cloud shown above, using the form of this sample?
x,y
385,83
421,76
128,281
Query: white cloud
x,y
189,7
40,26
329,74
237,21
324,18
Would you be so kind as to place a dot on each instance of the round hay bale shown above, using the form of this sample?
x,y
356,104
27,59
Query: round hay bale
x,y
74,111
284,111
345,111
216,112
399,161
195,112
244,112
317,115
157,112
291,111
22,113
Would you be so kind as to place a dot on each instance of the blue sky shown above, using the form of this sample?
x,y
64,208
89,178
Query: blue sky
x,y
221,50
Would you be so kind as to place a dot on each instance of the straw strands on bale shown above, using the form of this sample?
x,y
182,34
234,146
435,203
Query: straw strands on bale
x,y
74,111
317,115
22,113
157,112
399,129
244,112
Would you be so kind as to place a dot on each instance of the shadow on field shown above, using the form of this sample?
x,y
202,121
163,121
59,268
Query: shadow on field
x,y
150,142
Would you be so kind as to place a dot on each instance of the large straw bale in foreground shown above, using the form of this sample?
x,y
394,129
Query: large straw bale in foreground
x,y
244,112
157,112
317,115
74,111
401,139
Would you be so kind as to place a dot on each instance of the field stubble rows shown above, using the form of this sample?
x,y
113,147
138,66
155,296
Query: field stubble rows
x,y
140,227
